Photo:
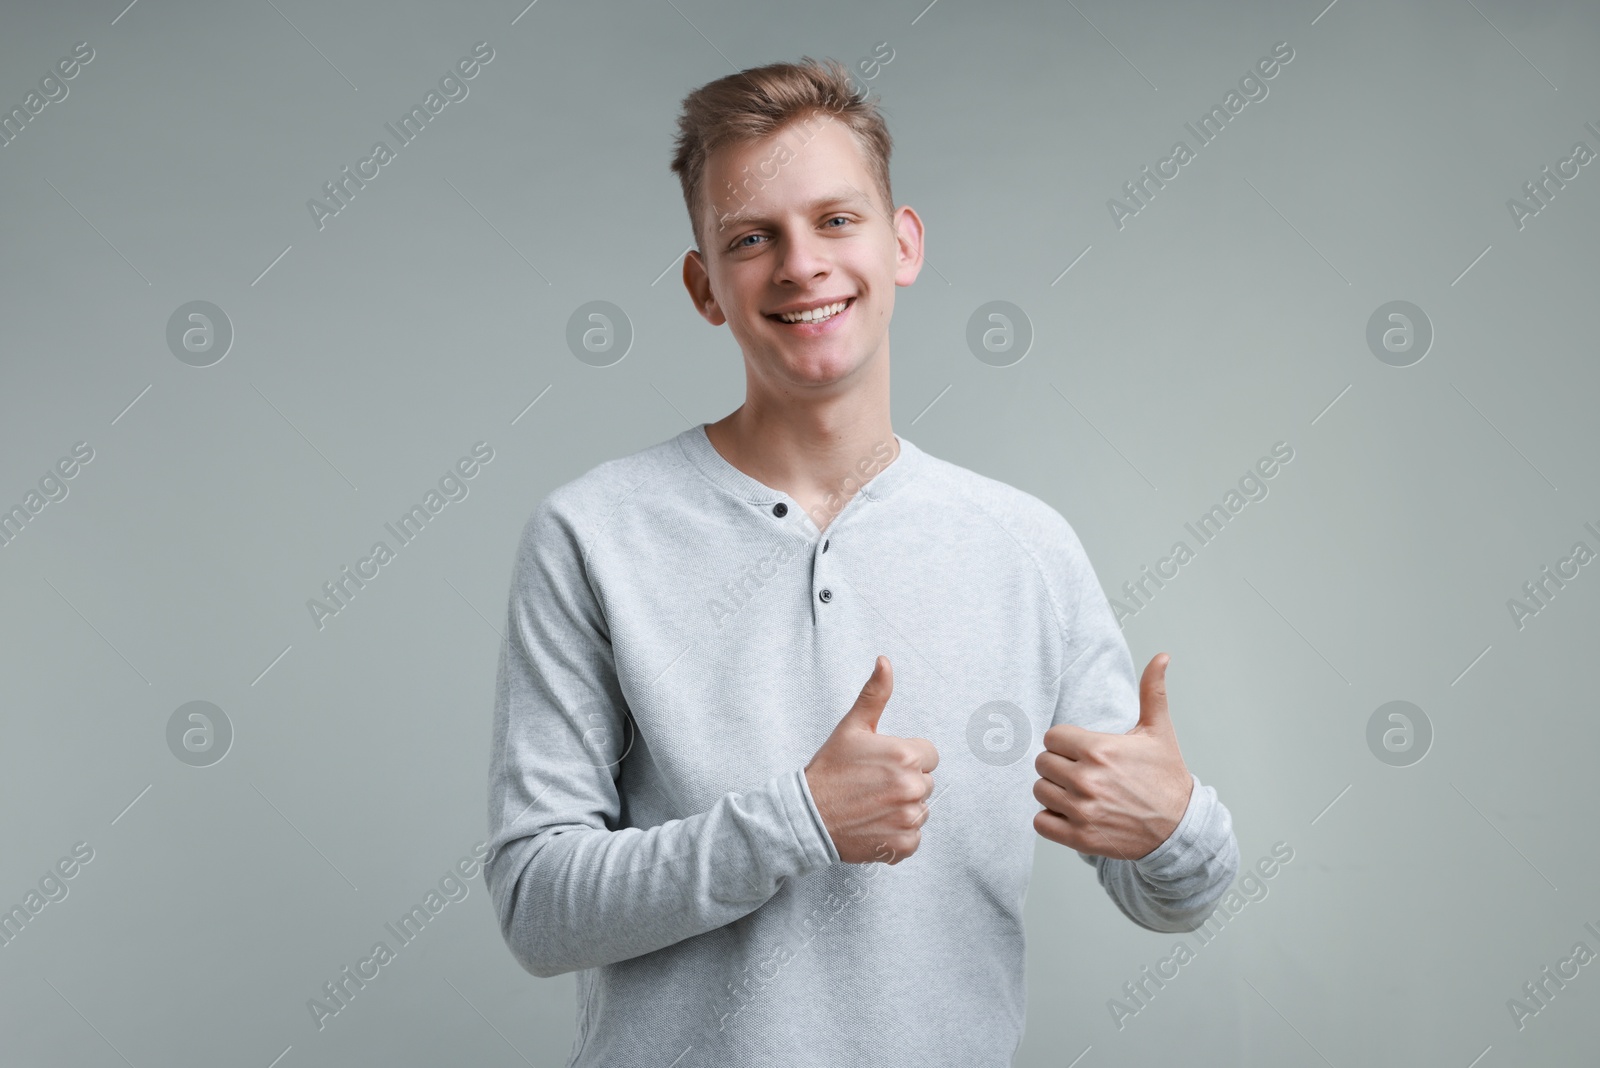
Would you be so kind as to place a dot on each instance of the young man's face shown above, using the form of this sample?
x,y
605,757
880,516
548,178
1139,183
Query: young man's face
x,y
803,226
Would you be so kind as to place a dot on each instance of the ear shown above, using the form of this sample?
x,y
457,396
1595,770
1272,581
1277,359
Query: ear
x,y
698,282
908,238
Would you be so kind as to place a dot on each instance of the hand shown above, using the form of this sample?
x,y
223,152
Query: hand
x,y
1116,795
872,789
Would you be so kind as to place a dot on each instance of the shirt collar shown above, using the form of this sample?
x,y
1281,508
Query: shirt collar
x,y
698,448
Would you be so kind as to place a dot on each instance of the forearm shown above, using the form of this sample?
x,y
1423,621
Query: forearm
x,y
576,896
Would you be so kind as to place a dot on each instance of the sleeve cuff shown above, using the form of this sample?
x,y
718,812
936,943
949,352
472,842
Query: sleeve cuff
x,y
1196,838
810,832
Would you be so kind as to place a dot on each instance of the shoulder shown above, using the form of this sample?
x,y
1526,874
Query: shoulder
x,y
576,512
1033,523
1014,519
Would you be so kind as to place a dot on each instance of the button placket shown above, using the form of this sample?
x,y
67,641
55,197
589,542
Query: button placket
x,y
825,594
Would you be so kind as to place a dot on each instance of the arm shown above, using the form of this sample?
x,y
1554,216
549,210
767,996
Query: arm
x,y
571,888
1175,886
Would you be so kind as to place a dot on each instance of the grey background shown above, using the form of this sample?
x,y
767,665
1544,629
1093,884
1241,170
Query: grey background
x,y
1230,314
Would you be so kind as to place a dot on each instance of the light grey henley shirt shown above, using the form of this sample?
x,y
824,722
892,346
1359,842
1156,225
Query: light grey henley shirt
x,y
681,639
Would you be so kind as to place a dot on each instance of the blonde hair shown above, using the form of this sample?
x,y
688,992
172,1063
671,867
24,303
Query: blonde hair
x,y
755,103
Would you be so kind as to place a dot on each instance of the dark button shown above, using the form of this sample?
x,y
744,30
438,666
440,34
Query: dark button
x,y
824,546
780,509
826,596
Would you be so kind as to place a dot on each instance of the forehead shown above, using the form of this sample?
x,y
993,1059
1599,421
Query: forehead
x,y
798,163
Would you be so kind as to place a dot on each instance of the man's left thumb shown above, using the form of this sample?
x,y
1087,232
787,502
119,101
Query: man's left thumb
x,y
1153,694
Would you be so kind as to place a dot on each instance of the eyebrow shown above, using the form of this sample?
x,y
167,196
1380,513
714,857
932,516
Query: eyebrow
x,y
740,218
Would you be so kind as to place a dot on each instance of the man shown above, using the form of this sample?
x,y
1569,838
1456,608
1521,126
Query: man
x,y
763,716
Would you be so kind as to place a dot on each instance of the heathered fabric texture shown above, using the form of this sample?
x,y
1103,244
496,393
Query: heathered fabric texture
x,y
676,653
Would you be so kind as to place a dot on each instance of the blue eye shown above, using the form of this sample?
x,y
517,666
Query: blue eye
x,y
739,244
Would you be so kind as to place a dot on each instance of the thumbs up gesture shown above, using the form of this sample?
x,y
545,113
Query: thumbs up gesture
x,y
872,789
1116,795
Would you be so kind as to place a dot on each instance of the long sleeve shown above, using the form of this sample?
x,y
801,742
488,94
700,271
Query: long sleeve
x,y
1177,885
572,888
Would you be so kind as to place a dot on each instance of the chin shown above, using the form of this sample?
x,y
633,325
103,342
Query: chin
x,y
827,370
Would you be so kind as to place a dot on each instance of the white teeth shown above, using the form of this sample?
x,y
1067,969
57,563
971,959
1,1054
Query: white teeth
x,y
815,315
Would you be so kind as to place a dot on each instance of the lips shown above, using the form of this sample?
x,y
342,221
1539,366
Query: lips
x,y
817,329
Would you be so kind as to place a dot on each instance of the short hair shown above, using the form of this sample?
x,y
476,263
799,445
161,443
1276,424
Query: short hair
x,y
757,102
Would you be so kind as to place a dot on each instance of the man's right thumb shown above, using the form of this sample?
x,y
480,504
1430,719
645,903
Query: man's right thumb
x,y
874,695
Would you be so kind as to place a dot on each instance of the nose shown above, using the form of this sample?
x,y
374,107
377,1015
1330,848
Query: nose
x,y
801,258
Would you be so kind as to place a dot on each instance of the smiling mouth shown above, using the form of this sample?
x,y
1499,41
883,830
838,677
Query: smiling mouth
x,y
842,307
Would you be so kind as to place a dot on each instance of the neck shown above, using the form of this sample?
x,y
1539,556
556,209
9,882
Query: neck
x,y
818,454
